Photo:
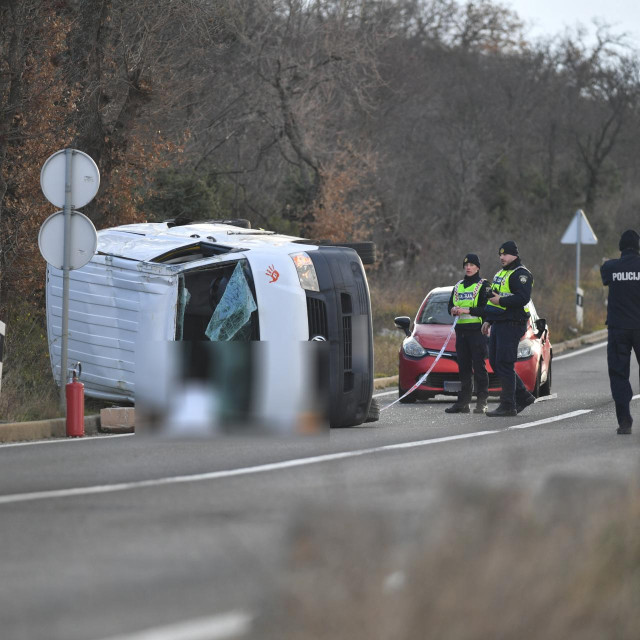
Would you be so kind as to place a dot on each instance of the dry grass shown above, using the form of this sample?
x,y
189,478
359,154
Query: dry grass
x,y
488,563
385,348
28,390
388,301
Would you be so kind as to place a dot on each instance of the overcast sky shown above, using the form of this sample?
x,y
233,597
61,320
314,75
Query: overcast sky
x,y
551,17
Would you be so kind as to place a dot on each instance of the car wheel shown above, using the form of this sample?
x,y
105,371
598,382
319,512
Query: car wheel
x,y
536,389
410,399
374,411
545,389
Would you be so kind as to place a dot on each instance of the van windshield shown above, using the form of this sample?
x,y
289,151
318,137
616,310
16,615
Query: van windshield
x,y
436,311
217,304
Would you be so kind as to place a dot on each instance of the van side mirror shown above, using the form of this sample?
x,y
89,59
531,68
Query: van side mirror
x,y
404,323
541,325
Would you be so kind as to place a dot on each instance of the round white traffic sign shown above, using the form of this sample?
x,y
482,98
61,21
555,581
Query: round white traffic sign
x,y
85,178
83,239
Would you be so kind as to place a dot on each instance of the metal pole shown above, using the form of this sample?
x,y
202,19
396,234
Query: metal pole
x,y
579,238
65,276
578,254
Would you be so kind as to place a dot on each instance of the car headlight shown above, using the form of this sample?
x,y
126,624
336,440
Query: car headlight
x,y
306,271
525,350
413,348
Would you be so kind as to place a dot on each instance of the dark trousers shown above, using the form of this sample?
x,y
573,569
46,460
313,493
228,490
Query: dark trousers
x,y
471,349
503,353
619,346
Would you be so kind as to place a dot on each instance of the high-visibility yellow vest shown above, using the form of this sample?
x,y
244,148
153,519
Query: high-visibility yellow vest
x,y
467,297
500,285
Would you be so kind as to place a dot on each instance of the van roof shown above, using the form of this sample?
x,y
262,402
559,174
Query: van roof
x,y
149,240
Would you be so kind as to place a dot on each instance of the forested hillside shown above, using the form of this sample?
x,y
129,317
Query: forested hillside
x,y
433,127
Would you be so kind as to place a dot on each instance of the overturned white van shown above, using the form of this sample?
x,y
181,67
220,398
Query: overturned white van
x,y
214,282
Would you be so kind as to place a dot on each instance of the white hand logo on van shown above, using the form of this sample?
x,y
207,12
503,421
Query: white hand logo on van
x,y
272,273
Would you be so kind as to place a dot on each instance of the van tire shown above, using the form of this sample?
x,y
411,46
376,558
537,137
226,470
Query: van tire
x,y
238,222
365,250
374,411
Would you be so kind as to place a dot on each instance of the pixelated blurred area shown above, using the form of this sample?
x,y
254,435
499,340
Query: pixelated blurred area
x,y
201,389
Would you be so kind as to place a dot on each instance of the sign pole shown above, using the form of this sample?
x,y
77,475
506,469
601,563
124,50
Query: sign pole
x,y
67,239
579,232
65,276
578,290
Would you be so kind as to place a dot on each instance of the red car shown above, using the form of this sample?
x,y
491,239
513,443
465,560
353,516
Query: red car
x,y
432,326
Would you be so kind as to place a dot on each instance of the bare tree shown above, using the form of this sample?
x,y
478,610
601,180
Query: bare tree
x,y
605,86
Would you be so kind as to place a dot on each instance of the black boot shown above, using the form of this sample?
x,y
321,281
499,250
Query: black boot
x,y
624,426
481,406
520,406
458,407
503,410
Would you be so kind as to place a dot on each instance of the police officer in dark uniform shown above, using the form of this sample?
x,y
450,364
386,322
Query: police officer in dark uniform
x,y
506,316
468,299
622,276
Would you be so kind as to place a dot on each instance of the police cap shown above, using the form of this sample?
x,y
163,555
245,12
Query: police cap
x,y
509,247
471,258
629,240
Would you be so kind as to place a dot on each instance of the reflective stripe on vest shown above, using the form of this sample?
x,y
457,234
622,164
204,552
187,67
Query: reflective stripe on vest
x,y
467,297
500,285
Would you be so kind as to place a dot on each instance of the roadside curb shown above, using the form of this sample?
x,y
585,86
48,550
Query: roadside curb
x,y
44,429
567,345
574,343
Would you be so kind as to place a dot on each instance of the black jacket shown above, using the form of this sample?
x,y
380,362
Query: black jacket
x,y
483,296
622,276
520,284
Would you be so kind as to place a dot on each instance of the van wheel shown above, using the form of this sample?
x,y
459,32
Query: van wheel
x,y
374,411
365,250
238,222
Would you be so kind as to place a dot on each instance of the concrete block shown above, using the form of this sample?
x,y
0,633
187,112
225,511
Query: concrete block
x,y
117,420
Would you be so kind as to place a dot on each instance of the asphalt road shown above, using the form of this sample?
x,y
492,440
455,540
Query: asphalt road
x,y
109,537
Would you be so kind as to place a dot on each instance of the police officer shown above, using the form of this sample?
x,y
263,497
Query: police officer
x,y
468,298
506,316
622,276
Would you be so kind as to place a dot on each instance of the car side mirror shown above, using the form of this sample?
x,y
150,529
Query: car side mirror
x,y
541,325
404,323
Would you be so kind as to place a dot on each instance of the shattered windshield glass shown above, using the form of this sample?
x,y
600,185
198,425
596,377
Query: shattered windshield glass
x,y
183,300
232,315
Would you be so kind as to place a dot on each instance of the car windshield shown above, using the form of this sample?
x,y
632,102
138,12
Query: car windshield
x,y
436,311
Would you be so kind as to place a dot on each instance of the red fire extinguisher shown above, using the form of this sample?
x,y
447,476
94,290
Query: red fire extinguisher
x,y
75,405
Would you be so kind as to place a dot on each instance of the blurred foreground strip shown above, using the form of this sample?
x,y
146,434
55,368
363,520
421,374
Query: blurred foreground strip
x,y
234,624
200,389
560,563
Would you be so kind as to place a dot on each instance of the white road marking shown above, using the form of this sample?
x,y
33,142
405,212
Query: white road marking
x,y
580,352
564,416
553,396
274,466
229,625
58,441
